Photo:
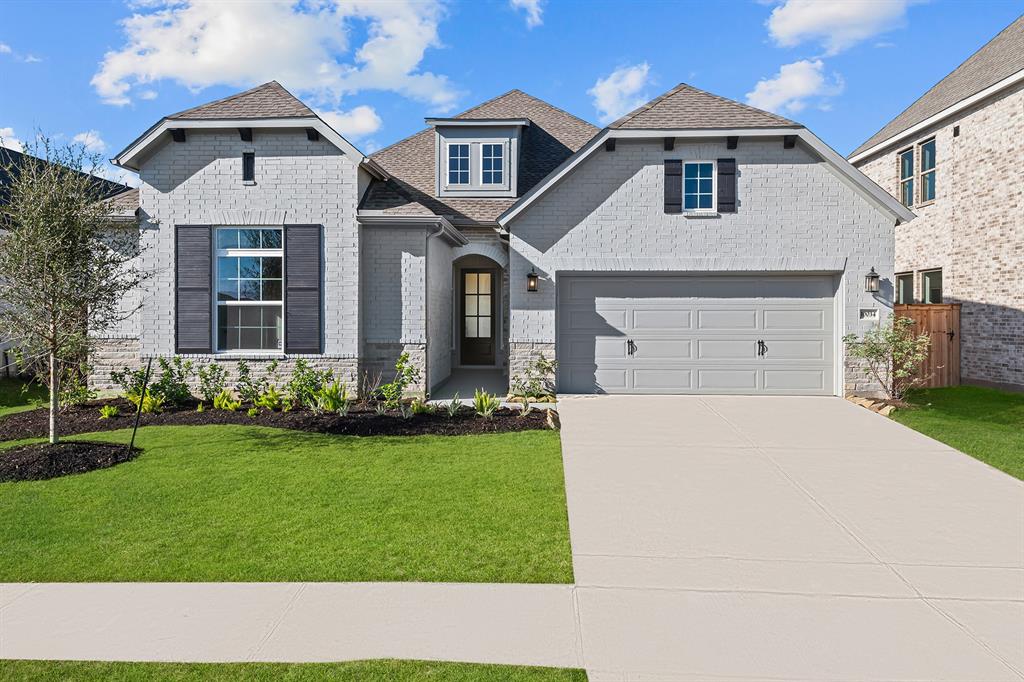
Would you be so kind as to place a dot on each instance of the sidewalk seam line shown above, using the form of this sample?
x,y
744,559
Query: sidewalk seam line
x,y
276,623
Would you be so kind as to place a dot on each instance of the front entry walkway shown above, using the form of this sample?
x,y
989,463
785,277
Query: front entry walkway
x,y
734,538
464,381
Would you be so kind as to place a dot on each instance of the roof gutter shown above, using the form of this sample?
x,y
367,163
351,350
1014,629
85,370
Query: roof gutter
x,y
440,224
935,118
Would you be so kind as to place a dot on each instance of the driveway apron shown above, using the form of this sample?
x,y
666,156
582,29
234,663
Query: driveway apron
x,y
786,538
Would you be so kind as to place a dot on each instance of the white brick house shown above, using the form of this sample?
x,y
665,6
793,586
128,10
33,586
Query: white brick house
x,y
952,157
696,245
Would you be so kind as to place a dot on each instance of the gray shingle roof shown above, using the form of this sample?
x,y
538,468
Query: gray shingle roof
x,y
552,136
269,100
685,106
124,204
1000,58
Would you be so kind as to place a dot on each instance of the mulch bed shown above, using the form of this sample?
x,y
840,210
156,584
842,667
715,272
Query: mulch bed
x,y
359,421
42,461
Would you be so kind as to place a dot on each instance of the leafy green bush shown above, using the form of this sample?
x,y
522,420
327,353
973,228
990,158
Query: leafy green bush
x,y
152,402
130,380
246,387
201,407
306,383
225,401
108,411
453,407
892,355
212,380
270,399
332,397
173,381
421,407
485,403
74,387
253,412
405,375
539,381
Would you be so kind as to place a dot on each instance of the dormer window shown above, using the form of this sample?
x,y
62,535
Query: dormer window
x,y
492,156
477,157
458,164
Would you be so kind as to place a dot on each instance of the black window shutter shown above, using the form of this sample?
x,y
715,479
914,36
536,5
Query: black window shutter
x,y
727,185
302,300
193,292
673,186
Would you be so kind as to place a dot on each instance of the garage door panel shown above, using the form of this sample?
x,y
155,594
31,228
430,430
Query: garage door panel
x,y
727,379
660,319
781,320
695,334
727,318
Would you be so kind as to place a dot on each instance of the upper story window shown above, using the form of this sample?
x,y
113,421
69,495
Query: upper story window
x,y
927,170
250,279
248,166
699,186
458,164
492,157
907,177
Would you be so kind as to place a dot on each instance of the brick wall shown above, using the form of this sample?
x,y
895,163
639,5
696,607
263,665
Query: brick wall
x,y
794,214
973,231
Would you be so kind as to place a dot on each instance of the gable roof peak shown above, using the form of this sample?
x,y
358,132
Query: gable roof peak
x,y
687,107
269,100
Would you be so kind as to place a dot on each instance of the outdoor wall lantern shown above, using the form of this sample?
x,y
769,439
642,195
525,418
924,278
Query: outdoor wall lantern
x,y
871,282
531,281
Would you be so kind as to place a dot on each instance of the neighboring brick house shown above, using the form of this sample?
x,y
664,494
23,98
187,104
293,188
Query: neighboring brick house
x,y
697,245
952,156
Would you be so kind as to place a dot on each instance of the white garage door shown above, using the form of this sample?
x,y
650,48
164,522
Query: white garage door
x,y
695,334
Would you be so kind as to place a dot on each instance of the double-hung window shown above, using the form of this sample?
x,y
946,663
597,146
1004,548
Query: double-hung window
x,y
458,164
250,278
699,186
927,170
905,288
907,177
492,164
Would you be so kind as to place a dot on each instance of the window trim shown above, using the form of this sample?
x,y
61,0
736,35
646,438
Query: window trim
x,y
910,178
242,253
448,162
896,277
921,172
714,187
924,290
504,165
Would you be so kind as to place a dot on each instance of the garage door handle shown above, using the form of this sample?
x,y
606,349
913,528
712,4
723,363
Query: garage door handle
x,y
762,348
630,347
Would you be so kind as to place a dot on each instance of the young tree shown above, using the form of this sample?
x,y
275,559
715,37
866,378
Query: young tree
x,y
64,269
892,354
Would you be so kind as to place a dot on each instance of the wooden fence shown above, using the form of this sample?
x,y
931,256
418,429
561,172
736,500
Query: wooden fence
x,y
941,321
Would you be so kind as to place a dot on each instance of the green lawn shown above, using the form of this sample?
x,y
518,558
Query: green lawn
x,y
983,422
14,399
247,503
358,671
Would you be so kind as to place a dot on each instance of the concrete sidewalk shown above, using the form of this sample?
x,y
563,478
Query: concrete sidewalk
x,y
228,622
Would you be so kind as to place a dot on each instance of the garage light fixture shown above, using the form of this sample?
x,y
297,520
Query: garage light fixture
x,y
871,281
531,280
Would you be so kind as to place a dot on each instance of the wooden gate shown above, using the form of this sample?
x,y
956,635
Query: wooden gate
x,y
941,321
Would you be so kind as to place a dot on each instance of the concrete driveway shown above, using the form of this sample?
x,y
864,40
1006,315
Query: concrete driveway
x,y
786,538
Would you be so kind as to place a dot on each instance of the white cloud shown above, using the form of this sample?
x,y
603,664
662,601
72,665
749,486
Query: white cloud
x,y
354,123
147,94
91,140
835,24
8,139
31,59
620,92
304,45
534,11
794,84
5,48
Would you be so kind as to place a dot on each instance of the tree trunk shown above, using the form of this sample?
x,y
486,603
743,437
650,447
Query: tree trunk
x,y
54,398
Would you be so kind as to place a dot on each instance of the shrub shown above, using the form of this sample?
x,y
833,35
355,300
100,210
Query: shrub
x,y
485,403
305,384
225,401
381,409
212,380
405,410
270,399
253,412
892,354
332,397
130,380
421,407
539,381
201,407
246,387
173,381
405,375
108,411
453,407
74,387
151,402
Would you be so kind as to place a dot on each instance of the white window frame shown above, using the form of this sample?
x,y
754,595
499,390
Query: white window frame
x,y
448,162
714,187
241,253
921,172
504,165
896,278
910,178
924,289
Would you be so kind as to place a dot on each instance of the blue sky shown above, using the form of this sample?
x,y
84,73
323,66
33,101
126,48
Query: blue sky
x,y
105,71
